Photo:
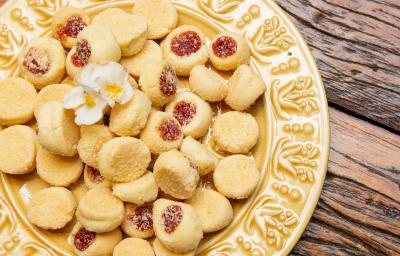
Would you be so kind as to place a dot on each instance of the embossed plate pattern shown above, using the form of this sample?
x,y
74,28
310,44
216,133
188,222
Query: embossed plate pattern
x,y
292,153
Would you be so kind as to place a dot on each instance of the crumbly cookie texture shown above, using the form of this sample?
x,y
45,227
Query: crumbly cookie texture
x,y
93,178
138,220
53,92
161,250
208,84
133,246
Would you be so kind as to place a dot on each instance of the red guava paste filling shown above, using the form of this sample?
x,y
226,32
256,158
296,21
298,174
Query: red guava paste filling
x,y
37,61
82,54
94,175
142,217
224,47
168,81
71,28
186,43
172,217
184,112
83,239
169,130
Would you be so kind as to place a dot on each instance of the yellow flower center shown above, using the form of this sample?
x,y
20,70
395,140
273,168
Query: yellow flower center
x,y
90,101
113,90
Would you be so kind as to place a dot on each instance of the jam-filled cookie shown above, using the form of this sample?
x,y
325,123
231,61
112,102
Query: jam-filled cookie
x,y
57,170
58,132
129,30
161,16
162,132
130,118
123,159
245,87
228,50
67,23
150,54
19,149
236,176
177,225
184,48
89,243
93,178
161,250
138,220
92,139
193,113
198,153
54,92
133,246
51,208
100,211
208,84
235,132
159,82
214,210
175,174
139,191
42,62
17,100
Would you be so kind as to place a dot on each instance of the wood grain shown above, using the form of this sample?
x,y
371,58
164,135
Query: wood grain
x,y
359,209
357,47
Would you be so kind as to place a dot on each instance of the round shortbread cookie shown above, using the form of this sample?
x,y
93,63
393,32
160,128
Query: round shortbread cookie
x,y
184,48
51,208
78,189
67,23
139,191
88,243
150,54
208,84
236,176
58,132
162,132
93,178
138,221
19,149
17,100
130,118
235,132
57,170
214,210
42,62
229,50
133,247
175,174
192,113
161,16
198,153
123,159
100,211
177,225
92,139
54,92
161,250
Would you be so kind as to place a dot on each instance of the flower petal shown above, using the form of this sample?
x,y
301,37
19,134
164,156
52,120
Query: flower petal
x,y
90,115
75,98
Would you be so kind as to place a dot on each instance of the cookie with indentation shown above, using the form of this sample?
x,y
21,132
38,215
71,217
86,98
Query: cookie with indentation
x,y
130,118
177,225
93,178
198,153
133,246
17,100
161,15
161,250
57,131
244,88
129,30
19,152
139,191
53,92
151,53
92,139
229,50
184,48
235,132
57,170
236,176
51,208
193,113
123,159
214,210
42,62
162,132
67,23
159,82
208,84
175,174
88,243
138,220
100,211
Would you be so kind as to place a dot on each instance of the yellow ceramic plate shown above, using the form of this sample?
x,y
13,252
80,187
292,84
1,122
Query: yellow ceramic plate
x,y
293,116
